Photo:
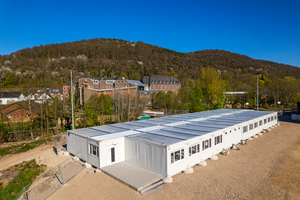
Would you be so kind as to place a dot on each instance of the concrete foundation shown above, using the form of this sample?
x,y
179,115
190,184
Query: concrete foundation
x,y
255,136
75,159
188,171
214,158
202,163
168,180
87,165
259,133
65,153
97,171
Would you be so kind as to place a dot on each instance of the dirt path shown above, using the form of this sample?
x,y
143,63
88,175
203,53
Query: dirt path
x,y
43,154
243,174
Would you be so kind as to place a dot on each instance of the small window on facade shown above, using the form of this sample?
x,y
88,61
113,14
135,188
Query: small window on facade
x,y
167,87
171,87
245,129
175,87
274,117
218,139
28,115
163,87
9,116
265,121
94,150
156,87
194,149
206,144
159,87
64,88
152,87
255,124
250,127
269,119
177,155
260,122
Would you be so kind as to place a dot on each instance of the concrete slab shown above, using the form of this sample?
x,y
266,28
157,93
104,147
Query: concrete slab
x,y
132,175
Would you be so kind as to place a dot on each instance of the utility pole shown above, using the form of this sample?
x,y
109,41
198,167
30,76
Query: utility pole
x,y
71,70
257,103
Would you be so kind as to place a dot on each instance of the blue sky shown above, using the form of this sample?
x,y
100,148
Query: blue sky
x,y
268,30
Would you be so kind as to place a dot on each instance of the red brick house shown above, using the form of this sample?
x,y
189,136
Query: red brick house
x,y
20,112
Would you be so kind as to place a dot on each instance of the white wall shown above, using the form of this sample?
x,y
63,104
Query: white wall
x,y
105,146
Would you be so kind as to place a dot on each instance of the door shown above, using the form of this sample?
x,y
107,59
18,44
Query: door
x,y
111,155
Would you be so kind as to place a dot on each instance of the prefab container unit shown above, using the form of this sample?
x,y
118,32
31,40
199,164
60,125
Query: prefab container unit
x,y
168,145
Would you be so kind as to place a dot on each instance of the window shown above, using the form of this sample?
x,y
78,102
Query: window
x,y
265,121
156,87
194,149
260,122
274,117
269,119
255,124
96,87
152,87
177,155
64,88
206,144
250,127
175,87
94,150
245,129
159,87
167,87
171,87
28,115
163,87
9,116
218,139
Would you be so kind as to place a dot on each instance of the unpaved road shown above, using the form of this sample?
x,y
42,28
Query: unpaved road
x,y
262,169
42,154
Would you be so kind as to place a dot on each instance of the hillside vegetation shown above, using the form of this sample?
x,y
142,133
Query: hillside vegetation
x,y
47,65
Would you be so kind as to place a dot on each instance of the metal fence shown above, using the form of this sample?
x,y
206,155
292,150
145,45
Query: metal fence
x,y
52,180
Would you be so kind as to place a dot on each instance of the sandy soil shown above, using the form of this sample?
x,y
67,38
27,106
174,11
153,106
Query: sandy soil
x,y
43,155
262,169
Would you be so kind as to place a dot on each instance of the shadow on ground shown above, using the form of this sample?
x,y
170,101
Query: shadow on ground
x,y
286,117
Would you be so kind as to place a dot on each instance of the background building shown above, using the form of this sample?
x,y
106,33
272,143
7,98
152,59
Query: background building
x,y
161,83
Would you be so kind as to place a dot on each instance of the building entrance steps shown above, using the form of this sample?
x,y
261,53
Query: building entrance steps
x,y
134,176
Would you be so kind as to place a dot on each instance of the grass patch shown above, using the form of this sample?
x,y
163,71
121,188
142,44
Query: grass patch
x,y
28,172
15,149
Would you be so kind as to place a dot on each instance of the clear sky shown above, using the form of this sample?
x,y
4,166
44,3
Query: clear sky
x,y
264,29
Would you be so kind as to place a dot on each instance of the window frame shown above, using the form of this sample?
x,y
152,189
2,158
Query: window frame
x,y
260,122
197,149
218,140
245,129
255,124
173,155
251,127
204,146
91,151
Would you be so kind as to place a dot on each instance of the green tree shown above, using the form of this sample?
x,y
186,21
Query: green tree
x,y
212,86
197,102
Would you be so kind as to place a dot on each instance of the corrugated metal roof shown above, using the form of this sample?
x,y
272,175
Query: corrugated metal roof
x,y
172,129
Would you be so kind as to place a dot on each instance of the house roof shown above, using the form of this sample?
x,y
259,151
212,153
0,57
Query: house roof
x,y
145,80
134,82
173,129
10,94
35,107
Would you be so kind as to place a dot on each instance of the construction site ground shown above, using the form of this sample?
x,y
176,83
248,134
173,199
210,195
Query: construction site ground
x,y
267,167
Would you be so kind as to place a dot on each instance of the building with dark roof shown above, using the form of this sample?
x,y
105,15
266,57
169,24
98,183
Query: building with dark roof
x,y
161,83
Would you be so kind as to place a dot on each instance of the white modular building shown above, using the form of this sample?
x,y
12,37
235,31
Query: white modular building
x,y
168,145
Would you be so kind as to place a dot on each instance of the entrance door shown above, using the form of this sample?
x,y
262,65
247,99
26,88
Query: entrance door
x,y
111,155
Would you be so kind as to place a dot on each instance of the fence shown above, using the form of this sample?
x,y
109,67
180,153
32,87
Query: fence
x,y
51,181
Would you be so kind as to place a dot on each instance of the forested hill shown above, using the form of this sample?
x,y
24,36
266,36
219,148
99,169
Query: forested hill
x,y
47,65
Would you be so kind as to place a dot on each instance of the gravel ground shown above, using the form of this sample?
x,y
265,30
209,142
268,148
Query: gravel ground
x,y
260,170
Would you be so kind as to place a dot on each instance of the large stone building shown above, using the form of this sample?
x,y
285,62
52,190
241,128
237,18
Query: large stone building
x,y
161,83
85,87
